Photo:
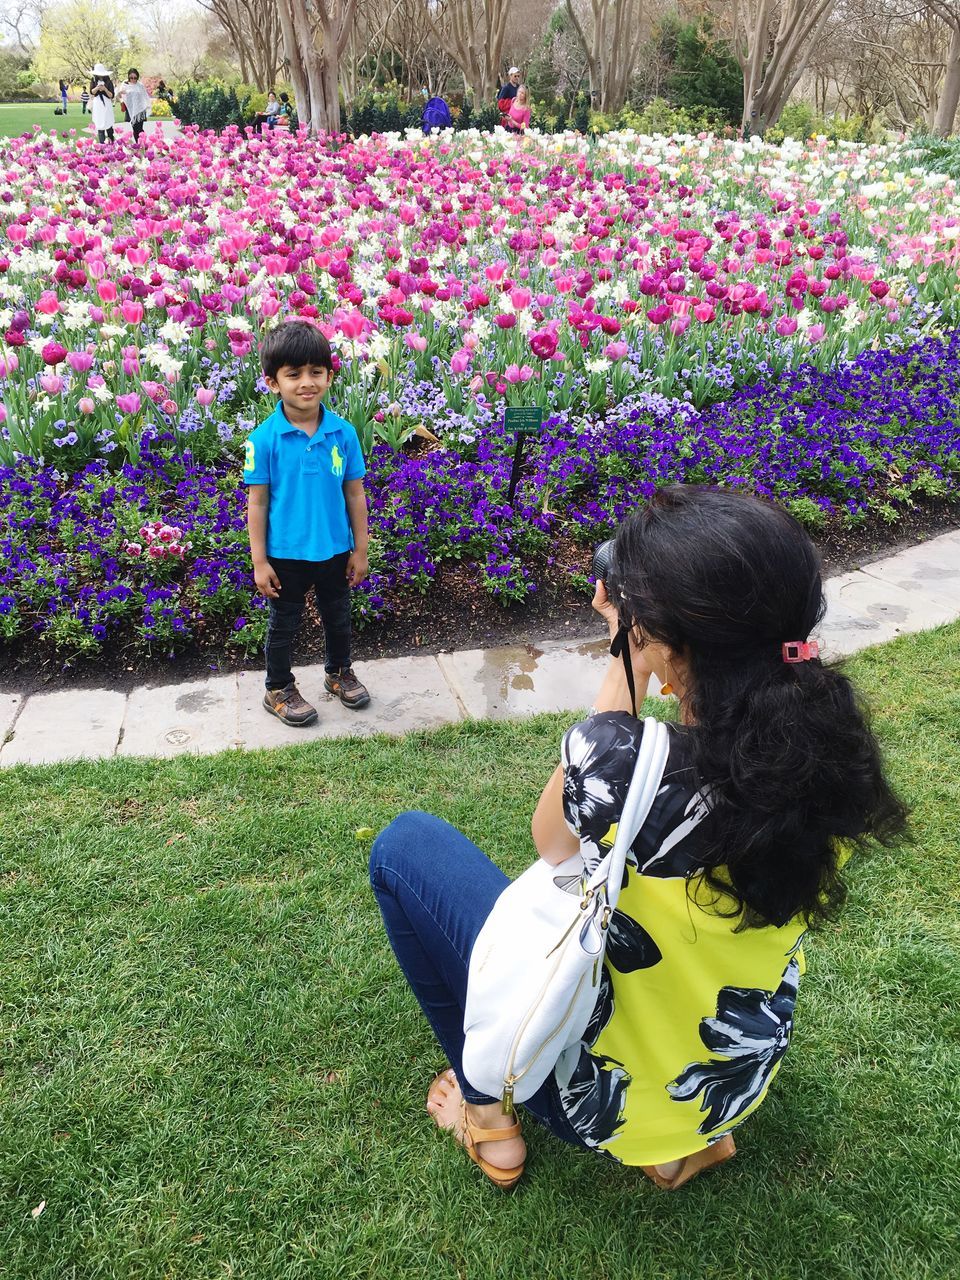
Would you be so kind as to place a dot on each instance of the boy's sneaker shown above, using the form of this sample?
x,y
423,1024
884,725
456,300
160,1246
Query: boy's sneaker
x,y
287,705
345,686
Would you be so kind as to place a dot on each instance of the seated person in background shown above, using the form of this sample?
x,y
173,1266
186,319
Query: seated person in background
x,y
269,116
507,94
284,114
518,117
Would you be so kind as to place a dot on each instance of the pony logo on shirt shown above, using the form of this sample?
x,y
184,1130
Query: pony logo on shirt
x,y
336,461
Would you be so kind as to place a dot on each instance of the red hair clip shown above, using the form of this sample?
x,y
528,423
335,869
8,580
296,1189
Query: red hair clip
x,y
800,650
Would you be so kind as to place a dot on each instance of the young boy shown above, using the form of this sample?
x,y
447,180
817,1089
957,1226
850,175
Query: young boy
x,y
306,517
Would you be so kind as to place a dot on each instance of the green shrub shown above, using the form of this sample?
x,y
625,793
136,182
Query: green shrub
x,y
212,105
800,120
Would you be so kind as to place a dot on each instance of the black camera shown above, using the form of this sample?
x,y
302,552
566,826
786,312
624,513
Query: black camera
x,y
603,559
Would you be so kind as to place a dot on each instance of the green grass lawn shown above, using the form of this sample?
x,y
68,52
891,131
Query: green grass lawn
x,y
20,117
210,1066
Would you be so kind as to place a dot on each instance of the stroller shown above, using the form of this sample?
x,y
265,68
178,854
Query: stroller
x,y
436,115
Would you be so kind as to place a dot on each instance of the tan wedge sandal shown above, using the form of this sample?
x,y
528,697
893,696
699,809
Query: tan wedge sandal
x,y
467,1135
699,1162
470,1136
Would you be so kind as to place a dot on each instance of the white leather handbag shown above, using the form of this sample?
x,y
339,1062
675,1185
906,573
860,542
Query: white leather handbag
x,y
535,968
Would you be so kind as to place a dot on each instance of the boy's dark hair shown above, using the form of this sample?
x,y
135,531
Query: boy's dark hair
x,y
284,97
295,343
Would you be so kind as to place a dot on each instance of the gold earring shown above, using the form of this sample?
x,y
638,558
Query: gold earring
x,y
666,689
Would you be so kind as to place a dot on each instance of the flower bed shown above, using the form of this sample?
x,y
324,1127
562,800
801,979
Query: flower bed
x,y
133,288
681,308
851,444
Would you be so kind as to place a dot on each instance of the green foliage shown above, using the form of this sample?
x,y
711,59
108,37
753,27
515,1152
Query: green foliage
x,y
658,116
12,68
212,105
801,121
77,33
382,111
703,71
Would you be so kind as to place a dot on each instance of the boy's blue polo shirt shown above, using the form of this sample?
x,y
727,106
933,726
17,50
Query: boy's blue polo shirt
x,y
307,518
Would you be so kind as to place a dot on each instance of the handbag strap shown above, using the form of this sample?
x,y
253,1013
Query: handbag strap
x,y
644,785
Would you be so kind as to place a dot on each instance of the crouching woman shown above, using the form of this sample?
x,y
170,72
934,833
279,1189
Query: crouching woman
x,y
773,778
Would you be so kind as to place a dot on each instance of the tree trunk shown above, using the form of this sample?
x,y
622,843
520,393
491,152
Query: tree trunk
x,y
950,92
315,71
773,62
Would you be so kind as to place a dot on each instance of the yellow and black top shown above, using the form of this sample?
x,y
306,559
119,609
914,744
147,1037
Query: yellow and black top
x,y
694,1017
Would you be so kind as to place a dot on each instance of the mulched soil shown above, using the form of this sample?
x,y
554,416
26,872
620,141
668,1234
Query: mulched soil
x,y
456,614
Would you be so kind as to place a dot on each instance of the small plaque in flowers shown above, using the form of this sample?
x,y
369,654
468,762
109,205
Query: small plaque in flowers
x,y
523,419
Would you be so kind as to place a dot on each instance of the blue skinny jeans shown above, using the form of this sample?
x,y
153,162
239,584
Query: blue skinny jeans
x,y
435,889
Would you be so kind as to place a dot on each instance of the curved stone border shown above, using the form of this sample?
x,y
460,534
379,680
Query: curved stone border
x,y
911,591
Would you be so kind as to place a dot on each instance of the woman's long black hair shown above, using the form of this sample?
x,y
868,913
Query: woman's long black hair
x,y
782,751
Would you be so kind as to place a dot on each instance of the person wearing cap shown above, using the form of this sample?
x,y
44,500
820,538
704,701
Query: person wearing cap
x,y
507,94
101,102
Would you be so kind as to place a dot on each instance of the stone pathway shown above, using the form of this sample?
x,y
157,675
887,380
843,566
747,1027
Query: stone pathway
x,y
911,591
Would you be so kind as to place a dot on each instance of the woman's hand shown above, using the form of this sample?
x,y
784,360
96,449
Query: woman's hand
x,y
601,602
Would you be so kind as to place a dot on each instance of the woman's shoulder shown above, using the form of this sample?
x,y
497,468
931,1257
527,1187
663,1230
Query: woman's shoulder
x,y
599,756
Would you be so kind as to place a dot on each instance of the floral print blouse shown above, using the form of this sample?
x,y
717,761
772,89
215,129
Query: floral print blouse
x,y
693,1018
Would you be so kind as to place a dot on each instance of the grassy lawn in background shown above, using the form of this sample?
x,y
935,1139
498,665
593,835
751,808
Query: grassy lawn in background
x,y
20,117
210,1066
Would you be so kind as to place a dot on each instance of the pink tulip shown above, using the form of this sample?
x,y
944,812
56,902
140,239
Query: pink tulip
x,y
679,325
816,332
129,403
786,326
132,311
80,361
53,353
269,306
205,396
3,413
52,383
9,363
86,405
107,291
543,344
415,341
615,350
704,313
48,304
460,361
506,320
659,314
170,408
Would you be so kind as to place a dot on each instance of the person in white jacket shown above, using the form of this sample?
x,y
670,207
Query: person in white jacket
x,y
136,100
101,102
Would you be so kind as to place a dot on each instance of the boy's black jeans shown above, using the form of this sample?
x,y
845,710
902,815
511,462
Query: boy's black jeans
x,y
328,579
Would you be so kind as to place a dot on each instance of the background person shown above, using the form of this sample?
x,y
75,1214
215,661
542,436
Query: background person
x,y
101,102
269,116
518,116
507,94
84,99
136,100
773,778
63,96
